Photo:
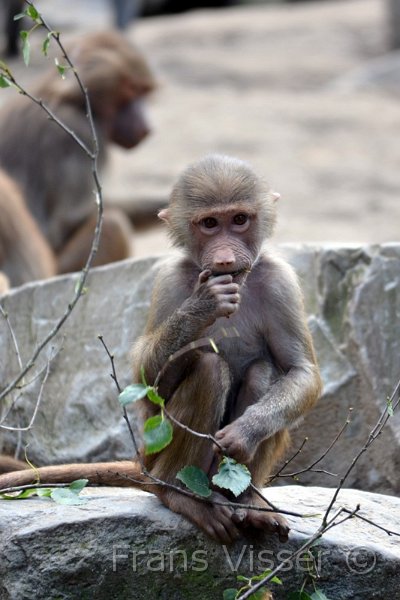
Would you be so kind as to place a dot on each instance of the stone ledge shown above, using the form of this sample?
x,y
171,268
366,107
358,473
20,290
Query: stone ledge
x,y
123,544
353,301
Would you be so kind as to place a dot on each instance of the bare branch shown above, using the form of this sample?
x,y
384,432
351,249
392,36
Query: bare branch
x,y
5,316
38,401
311,467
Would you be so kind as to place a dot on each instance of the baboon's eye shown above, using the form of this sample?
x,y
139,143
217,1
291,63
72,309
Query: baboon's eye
x,y
209,222
240,219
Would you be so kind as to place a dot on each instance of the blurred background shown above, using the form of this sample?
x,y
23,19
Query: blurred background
x,y
306,91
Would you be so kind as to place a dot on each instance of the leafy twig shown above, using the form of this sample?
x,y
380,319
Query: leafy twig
x,y
99,201
5,316
156,480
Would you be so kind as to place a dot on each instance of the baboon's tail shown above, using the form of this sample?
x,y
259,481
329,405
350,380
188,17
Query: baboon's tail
x,y
123,473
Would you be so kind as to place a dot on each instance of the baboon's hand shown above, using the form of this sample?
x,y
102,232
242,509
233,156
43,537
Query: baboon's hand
x,y
215,297
235,443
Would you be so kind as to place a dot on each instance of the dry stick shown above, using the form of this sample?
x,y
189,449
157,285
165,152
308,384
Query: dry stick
x,y
288,461
159,482
388,531
315,462
93,155
125,412
38,401
17,397
224,332
5,316
33,486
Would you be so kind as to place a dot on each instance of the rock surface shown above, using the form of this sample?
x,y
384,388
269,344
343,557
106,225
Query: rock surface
x,y
353,301
125,544
79,416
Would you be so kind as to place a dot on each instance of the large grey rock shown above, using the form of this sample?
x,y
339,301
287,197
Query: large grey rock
x,y
353,301
79,417
353,295
125,544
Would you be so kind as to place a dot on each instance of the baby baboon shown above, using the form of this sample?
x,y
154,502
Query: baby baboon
x,y
259,384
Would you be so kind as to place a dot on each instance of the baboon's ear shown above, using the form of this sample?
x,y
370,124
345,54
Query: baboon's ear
x,y
164,215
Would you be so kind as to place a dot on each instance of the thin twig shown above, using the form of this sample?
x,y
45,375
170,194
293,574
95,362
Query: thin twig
x,y
33,486
38,401
388,531
52,116
5,316
124,411
310,467
224,332
159,482
288,461
21,387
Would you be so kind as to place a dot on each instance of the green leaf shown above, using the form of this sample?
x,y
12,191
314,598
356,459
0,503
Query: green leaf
x,y
230,594
389,404
44,492
67,496
157,434
33,14
154,397
133,393
318,595
19,16
232,476
299,596
26,46
4,82
46,44
196,480
61,71
78,485
243,578
21,496
142,375
60,68
275,579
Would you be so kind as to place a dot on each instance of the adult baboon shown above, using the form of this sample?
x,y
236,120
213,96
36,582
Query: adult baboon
x,y
52,171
